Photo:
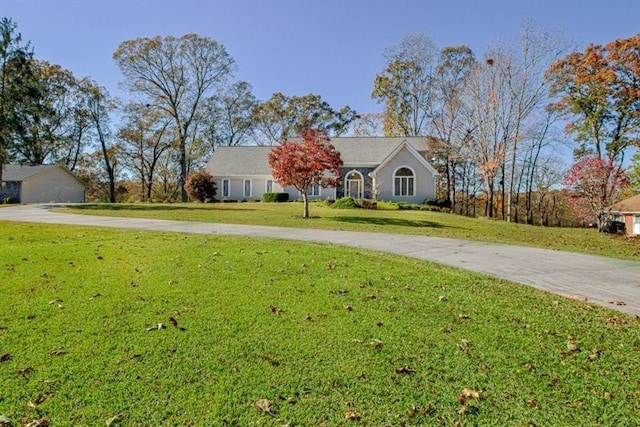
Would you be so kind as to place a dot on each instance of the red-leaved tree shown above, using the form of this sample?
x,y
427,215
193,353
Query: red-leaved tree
x,y
594,184
314,161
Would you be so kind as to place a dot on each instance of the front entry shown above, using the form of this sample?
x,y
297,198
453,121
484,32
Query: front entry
x,y
353,185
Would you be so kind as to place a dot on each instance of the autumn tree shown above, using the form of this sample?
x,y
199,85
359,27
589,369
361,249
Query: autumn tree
x,y
447,119
175,76
405,87
313,161
145,136
282,117
594,184
600,92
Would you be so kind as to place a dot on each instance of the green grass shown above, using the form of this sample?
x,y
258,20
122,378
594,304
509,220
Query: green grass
x,y
405,222
322,332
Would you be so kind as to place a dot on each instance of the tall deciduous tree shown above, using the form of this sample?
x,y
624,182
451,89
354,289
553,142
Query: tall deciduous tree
x,y
448,118
144,137
600,91
99,106
175,75
230,116
406,86
282,117
314,161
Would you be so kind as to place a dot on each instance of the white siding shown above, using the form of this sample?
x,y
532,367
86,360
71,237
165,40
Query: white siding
x,y
424,182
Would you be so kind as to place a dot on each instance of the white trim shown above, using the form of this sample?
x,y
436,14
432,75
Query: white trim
x,y
347,186
244,187
413,179
413,152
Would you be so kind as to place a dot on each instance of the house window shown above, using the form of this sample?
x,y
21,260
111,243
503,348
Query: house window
x,y
314,190
269,187
404,183
225,188
247,188
353,184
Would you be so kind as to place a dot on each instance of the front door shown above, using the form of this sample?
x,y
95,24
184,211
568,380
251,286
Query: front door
x,y
353,185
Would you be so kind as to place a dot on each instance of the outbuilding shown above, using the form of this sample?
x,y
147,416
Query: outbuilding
x,y
40,184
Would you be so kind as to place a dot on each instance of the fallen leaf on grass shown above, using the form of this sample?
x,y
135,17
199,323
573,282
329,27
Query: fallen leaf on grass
x,y
468,394
116,419
58,352
173,322
376,344
95,296
463,316
348,307
156,327
42,422
26,371
5,357
4,419
55,301
350,415
405,370
265,405
275,310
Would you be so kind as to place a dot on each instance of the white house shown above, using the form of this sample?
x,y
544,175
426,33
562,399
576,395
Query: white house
x,y
392,169
40,184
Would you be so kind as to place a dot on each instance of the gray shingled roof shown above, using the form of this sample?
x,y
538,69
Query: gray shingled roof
x,y
252,160
19,173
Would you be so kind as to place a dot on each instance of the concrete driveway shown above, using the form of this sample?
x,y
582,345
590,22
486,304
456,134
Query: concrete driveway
x,y
604,281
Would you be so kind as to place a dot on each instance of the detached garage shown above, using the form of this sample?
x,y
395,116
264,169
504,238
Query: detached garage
x,y
40,184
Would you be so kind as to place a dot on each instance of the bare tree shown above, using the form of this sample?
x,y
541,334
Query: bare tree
x,y
175,75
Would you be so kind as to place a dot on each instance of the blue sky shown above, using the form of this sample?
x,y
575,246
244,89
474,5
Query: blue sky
x,y
329,47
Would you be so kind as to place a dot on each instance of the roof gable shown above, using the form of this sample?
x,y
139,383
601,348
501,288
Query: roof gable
x,y
21,173
631,204
413,152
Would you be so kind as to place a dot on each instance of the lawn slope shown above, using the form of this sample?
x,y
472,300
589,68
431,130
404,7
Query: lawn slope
x,y
149,328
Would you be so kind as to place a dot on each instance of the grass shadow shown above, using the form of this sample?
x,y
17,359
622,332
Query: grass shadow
x,y
390,222
150,207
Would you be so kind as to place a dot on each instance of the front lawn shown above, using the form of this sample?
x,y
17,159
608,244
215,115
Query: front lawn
x,y
140,328
404,222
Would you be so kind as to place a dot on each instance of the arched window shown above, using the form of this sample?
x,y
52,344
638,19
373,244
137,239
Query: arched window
x,y
353,185
404,183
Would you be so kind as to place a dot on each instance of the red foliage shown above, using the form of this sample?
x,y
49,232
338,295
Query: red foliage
x,y
314,161
594,184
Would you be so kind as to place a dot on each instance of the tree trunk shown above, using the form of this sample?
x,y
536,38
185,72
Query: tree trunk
x,y
305,201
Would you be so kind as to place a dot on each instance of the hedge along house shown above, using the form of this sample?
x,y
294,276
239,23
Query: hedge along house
x,y
40,184
628,211
392,169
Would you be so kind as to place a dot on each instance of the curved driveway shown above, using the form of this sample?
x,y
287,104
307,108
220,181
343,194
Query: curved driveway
x,y
608,282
